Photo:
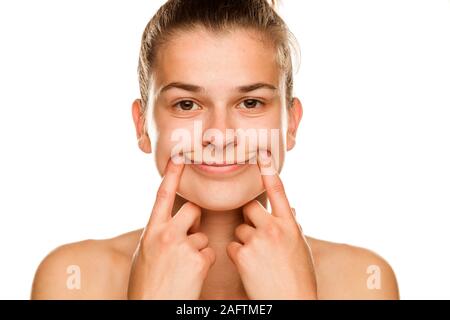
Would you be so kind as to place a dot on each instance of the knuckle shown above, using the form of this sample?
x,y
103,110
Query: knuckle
x,y
185,249
199,262
147,237
254,241
238,229
145,234
202,237
143,246
167,236
242,231
277,188
145,241
242,255
273,231
197,240
163,194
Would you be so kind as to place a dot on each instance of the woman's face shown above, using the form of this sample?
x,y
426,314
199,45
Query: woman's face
x,y
198,110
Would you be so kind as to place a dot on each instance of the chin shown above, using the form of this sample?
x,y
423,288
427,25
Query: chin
x,y
219,192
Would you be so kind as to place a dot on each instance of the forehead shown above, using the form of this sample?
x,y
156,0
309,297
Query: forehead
x,y
216,61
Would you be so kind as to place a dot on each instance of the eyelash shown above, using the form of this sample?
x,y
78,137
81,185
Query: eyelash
x,y
262,104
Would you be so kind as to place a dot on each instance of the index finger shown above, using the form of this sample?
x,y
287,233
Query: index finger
x,y
165,197
273,185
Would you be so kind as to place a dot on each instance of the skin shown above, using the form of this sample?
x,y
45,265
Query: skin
x,y
213,237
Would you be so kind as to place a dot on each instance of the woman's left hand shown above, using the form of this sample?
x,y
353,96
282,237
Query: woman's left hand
x,y
274,259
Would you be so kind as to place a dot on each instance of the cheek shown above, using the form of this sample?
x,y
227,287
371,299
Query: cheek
x,y
168,141
162,152
278,150
267,133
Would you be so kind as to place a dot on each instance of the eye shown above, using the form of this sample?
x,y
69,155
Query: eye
x,y
186,105
251,104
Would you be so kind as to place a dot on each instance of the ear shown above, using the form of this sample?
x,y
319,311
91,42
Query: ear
x,y
295,113
139,122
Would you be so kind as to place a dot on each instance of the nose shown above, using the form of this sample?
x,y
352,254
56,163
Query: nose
x,y
219,130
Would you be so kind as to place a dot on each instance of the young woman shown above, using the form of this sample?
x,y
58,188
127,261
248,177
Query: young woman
x,y
209,67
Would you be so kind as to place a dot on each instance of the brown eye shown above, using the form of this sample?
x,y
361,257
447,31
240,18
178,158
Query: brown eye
x,y
251,104
186,105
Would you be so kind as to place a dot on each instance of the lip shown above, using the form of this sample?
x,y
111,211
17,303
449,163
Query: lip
x,y
220,169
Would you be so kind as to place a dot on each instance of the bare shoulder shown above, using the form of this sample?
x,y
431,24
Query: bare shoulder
x,y
88,269
349,272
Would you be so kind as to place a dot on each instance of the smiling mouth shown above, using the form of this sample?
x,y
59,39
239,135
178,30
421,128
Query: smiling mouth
x,y
222,168
223,164
249,158
219,164
219,168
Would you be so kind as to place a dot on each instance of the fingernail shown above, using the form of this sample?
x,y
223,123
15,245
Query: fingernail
x,y
266,165
265,156
177,159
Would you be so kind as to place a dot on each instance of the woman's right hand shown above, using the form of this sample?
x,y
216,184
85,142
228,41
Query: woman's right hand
x,y
172,258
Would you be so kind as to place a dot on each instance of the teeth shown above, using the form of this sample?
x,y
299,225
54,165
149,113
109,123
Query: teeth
x,y
189,156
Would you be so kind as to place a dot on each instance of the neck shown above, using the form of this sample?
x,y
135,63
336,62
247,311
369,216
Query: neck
x,y
223,280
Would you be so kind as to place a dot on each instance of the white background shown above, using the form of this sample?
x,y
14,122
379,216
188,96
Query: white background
x,y
371,167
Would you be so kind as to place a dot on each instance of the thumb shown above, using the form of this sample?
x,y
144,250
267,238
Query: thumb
x,y
195,225
232,249
209,254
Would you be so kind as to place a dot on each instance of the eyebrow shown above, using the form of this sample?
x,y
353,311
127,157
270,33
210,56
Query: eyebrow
x,y
195,88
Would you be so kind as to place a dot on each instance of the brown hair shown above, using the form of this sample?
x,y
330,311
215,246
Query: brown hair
x,y
216,16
